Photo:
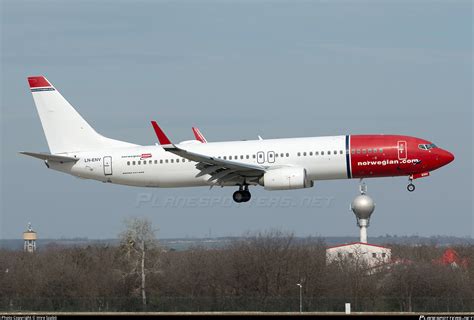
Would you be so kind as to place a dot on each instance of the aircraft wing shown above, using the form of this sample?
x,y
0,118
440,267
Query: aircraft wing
x,y
220,170
50,157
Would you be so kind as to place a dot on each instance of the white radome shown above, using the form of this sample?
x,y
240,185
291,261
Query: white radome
x,y
363,206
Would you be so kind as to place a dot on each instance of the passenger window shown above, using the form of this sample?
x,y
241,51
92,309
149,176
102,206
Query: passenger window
x,y
369,150
316,153
364,151
335,152
172,160
133,162
287,154
381,150
304,154
341,152
247,157
353,151
253,156
358,151
150,162
329,152
241,157
161,161
166,160
139,162
299,154
128,163
322,153
311,153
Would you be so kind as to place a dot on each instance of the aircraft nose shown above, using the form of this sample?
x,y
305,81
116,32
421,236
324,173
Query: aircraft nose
x,y
445,157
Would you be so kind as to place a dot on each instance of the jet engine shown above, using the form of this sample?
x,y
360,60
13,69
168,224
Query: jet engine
x,y
285,179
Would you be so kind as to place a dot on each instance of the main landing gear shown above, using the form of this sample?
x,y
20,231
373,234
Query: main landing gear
x,y
242,195
410,186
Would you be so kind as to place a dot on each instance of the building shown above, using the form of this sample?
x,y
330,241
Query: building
x,y
358,252
29,238
451,258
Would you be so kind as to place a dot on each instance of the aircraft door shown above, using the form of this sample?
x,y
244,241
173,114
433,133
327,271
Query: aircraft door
x,y
402,150
107,165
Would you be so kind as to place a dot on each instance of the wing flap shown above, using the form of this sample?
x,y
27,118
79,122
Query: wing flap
x,y
213,160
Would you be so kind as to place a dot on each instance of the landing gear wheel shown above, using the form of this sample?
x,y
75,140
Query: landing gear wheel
x,y
241,196
411,187
247,195
238,196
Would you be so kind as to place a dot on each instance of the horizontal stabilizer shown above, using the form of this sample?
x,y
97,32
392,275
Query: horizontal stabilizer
x,y
50,157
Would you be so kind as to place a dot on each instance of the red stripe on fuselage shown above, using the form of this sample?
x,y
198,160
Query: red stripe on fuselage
x,y
387,155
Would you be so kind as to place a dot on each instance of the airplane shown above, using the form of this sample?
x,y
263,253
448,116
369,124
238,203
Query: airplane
x,y
276,164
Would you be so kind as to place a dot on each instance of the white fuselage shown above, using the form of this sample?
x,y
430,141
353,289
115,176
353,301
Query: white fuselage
x,y
152,166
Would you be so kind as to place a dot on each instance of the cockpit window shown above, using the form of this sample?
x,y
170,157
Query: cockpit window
x,y
427,146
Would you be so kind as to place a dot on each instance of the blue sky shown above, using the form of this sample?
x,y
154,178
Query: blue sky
x,y
238,69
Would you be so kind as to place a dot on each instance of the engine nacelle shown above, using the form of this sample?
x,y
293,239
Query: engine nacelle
x,y
286,179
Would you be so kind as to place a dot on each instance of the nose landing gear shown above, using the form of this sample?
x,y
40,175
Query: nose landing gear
x,y
410,186
242,195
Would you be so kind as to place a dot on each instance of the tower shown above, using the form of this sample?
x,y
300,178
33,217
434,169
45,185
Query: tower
x,y
363,206
370,255
29,238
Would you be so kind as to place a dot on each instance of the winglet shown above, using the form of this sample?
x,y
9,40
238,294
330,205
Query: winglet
x,y
198,135
162,138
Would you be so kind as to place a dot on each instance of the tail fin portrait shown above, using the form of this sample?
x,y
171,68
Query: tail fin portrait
x,y
63,126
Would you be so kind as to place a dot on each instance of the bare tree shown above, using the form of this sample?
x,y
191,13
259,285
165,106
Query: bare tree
x,y
138,240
